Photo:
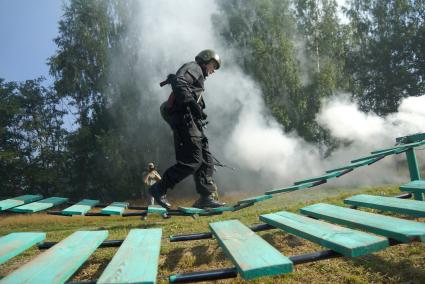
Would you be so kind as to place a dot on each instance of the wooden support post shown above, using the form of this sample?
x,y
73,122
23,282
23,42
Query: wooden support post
x,y
414,170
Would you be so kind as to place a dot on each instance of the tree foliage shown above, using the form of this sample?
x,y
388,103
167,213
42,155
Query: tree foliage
x,y
32,145
386,52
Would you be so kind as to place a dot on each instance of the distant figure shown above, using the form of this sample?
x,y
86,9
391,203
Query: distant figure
x,y
184,112
150,178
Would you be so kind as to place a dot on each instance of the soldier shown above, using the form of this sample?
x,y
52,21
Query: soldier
x,y
150,178
184,112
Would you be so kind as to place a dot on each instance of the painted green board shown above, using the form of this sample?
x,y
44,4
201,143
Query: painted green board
x,y
290,188
391,227
345,241
15,243
60,262
327,176
411,138
379,155
115,208
136,261
81,208
192,210
255,199
398,147
253,256
40,205
417,186
353,165
156,209
18,201
221,209
392,204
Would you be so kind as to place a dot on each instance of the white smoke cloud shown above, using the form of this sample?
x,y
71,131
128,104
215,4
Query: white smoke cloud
x,y
368,132
345,121
241,131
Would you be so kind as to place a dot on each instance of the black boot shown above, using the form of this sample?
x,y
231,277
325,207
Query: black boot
x,y
159,195
208,202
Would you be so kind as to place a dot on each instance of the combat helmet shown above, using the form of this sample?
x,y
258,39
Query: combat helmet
x,y
206,56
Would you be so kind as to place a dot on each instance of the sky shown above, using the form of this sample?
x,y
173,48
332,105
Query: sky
x,y
27,30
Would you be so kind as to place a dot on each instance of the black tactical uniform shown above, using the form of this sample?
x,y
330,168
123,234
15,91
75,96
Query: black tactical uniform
x,y
190,143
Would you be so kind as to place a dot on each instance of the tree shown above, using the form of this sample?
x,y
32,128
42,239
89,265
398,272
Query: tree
x,y
325,41
80,67
263,32
32,145
386,55
96,67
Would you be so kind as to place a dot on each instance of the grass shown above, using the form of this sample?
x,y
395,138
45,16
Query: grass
x,y
398,264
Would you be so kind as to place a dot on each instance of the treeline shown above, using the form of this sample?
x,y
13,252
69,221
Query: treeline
x,y
299,52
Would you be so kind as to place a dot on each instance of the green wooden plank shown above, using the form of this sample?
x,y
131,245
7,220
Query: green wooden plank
x,y
345,241
354,165
255,199
326,177
398,147
221,209
15,243
60,262
411,138
156,209
416,186
81,208
115,208
391,227
192,210
252,255
381,154
18,201
40,205
392,204
290,188
136,260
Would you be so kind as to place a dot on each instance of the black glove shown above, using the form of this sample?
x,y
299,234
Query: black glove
x,y
196,110
204,115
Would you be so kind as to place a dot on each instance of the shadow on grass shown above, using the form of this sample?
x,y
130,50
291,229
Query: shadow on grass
x,y
404,270
279,239
129,226
173,258
202,255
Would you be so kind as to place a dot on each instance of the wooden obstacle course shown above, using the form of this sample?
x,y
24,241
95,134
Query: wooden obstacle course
x,y
410,142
